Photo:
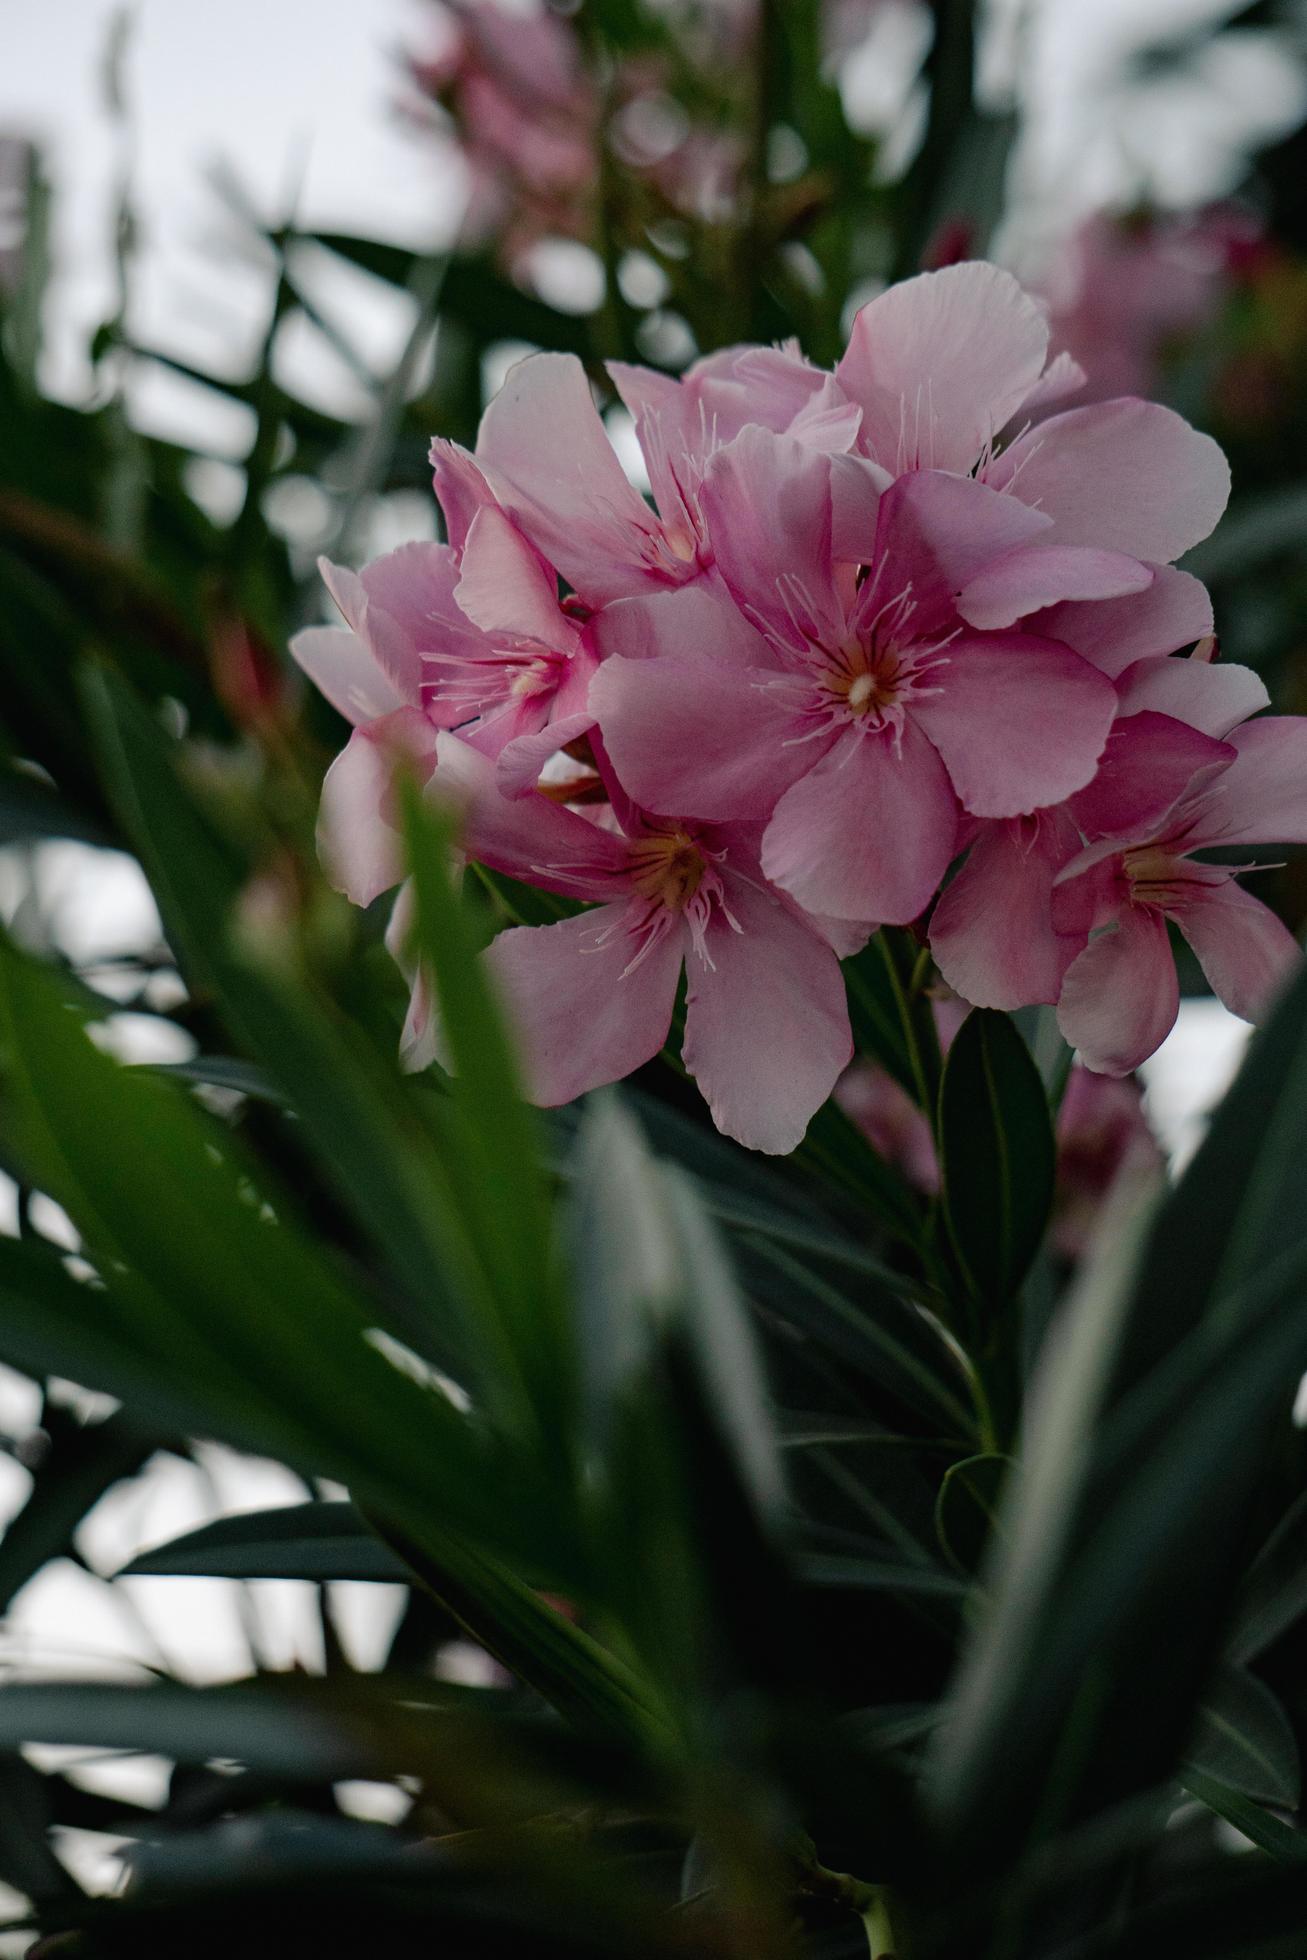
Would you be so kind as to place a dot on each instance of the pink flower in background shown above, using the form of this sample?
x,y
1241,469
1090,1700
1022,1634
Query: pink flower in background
x,y
865,714
766,1025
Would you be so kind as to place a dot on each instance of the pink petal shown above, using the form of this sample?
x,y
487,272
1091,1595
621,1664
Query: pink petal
x,y
460,487
1262,797
531,838
1121,996
1174,612
582,1019
701,617
341,667
389,644
1019,722
1062,377
545,452
867,833
1124,476
520,761
1022,581
691,737
359,843
940,363
856,488
1213,696
936,533
767,504
1245,951
503,587
767,1023
992,931
1149,763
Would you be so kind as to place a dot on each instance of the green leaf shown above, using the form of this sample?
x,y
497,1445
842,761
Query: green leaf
x,y
317,1541
1283,1843
997,1154
968,1508
1245,1739
1273,1596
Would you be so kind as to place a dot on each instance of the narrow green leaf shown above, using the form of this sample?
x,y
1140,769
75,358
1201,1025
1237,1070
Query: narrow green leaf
x,y
1245,1739
968,1508
997,1152
319,1540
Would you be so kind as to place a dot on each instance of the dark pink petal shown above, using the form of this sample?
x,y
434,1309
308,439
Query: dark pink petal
x,y
504,587
691,737
766,1023
581,1018
1124,475
1121,996
867,833
1025,580
1173,612
935,534
358,836
1149,763
940,363
545,452
1262,797
992,930
1245,951
1214,696
530,837
1019,722
340,666
766,500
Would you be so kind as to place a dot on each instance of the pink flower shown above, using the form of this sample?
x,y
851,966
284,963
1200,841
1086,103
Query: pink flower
x,y
1103,1140
1120,995
864,709
474,639
766,1024
943,364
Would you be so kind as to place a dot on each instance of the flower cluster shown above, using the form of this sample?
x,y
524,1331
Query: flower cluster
x,y
879,648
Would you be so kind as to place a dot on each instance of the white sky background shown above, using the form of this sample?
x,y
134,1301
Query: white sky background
x,y
297,100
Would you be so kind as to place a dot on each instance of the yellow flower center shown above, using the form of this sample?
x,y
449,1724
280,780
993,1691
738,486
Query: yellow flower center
x,y
668,865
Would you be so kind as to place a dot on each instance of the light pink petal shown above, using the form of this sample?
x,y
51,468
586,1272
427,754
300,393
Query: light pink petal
x,y
1025,580
389,639
992,931
419,1040
1019,722
691,737
1214,696
940,363
341,667
934,534
1149,763
643,389
1124,475
520,761
582,1019
1262,797
698,618
767,1023
461,488
1121,996
856,487
1062,377
503,587
1245,951
358,835
531,838
767,503
1173,612
545,451
867,833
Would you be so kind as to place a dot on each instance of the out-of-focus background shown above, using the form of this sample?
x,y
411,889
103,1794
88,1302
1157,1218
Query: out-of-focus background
x,y
255,254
